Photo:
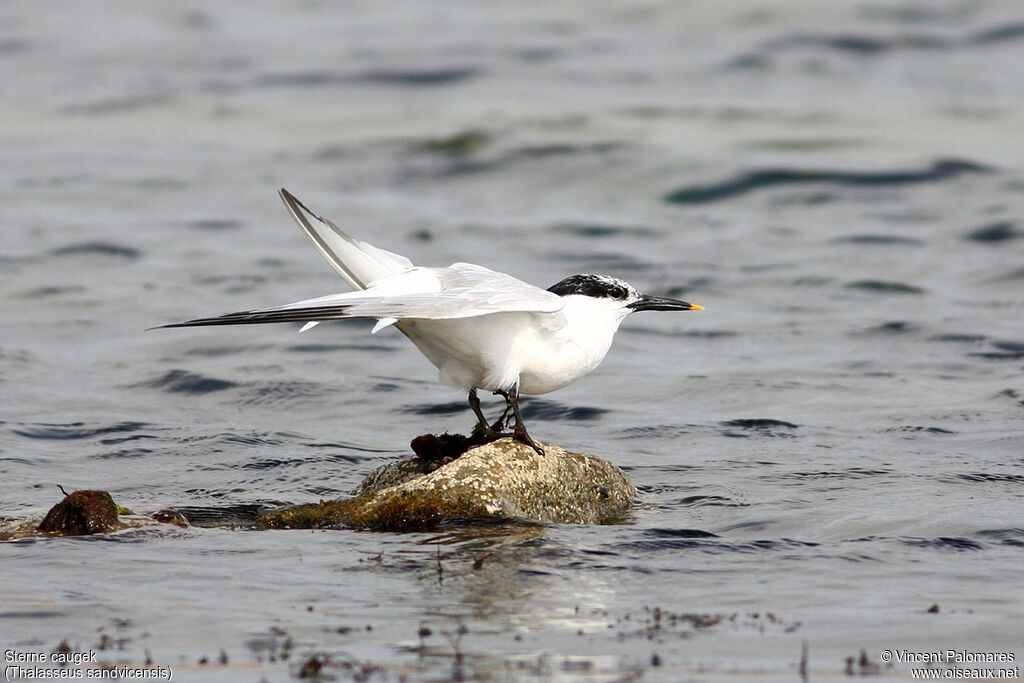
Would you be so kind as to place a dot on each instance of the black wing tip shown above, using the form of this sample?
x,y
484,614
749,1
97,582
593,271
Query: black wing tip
x,y
293,315
290,200
236,318
296,206
187,323
199,322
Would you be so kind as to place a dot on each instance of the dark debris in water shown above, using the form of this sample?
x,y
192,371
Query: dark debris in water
x,y
862,665
750,181
659,624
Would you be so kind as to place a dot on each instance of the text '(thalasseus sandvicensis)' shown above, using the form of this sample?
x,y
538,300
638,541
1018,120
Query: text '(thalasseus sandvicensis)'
x,y
482,329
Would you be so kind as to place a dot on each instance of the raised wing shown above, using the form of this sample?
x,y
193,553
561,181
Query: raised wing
x,y
462,290
358,262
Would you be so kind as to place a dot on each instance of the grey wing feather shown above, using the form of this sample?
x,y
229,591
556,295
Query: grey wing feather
x,y
460,291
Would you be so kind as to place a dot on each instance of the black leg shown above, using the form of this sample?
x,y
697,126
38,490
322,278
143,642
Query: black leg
x,y
491,432
474,403
519,432
499,424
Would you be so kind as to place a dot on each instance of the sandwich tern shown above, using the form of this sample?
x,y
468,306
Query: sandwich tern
x,y
481,328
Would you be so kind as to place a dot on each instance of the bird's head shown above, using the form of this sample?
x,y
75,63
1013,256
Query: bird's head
x,y
618,295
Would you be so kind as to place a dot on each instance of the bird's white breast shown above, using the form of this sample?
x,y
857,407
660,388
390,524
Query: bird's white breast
x,y
541,351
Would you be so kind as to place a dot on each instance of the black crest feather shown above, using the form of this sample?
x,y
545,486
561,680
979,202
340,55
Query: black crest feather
x,y
597,286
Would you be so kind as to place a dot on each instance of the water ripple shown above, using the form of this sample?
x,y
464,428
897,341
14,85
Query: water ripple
x,y
987,477
944,543
97,248
1001,231
679,533
750,181
883,287
548,410
75,430
185,382
759,427
916,429
282,392
398,77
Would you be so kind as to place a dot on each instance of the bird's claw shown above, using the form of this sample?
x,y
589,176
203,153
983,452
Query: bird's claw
x,y
519,434
493,432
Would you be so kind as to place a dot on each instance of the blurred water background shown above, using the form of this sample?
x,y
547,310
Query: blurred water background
x,y
829,450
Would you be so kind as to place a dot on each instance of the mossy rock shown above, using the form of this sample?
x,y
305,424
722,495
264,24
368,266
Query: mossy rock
x,y
81,513
502,480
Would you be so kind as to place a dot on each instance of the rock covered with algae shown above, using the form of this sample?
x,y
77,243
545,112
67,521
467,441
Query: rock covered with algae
x,y
81,513
495,481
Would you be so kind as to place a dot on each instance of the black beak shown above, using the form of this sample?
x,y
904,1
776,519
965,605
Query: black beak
x,y
661,303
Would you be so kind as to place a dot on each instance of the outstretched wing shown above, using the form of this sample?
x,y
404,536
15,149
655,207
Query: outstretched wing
x,y
462,290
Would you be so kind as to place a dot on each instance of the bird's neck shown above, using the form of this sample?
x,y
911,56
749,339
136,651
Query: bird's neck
x,y
591,322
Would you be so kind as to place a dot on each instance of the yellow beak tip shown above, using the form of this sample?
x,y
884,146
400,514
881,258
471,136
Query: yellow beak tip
x,y
695,307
